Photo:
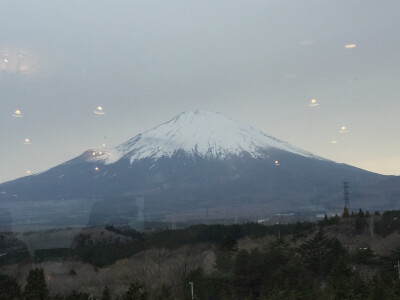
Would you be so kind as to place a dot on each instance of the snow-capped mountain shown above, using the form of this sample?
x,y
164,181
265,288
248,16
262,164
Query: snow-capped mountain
x,y
197,162
202,133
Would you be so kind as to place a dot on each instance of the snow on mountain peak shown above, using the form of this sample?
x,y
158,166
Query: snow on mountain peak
x,y
204,133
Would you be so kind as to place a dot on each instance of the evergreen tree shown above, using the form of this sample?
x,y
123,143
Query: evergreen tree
x,y
106,295
36,286
320,252
74,295
229,243
381,287
361,213
223,261
9,288
345,213
136,291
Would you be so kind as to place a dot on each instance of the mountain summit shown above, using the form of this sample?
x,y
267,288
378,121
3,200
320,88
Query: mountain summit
x,y
202,133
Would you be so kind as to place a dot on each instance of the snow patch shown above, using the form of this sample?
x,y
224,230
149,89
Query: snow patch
x,y
203,133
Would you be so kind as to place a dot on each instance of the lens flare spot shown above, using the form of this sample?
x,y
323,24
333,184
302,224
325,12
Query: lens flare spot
x,y
17,114
99,111
313,102
350,46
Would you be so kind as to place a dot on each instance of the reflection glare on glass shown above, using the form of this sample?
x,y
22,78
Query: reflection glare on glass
x,y
277,163
28,172
93,153
350,46
99,111
17,114
96,168
334,142
313,102
27,141
343,129
17,61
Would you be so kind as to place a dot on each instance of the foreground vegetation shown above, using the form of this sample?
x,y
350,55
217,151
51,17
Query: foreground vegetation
x,y
328,260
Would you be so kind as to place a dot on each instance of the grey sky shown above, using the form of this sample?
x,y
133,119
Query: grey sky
x,y
259,62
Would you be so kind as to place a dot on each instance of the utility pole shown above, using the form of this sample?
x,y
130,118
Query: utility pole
x,y
191,288
398,267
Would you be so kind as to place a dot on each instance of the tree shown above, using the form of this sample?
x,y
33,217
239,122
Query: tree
x,y
229,243
320,252
381,287
136,291
223,261
9,288
106,295
36,286
165,293
74,295
345,213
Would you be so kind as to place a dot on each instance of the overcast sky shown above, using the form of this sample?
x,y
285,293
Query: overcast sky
x,y
258,62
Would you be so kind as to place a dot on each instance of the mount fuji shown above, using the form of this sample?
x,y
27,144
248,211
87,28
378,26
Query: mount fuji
x,y
199,164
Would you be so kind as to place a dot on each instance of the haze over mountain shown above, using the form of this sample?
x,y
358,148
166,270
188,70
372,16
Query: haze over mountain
x,y
200,164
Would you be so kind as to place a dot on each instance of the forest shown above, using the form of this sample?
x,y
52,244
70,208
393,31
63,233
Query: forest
x,y
353,256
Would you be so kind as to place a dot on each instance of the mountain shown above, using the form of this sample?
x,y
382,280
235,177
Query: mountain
x,y
198,165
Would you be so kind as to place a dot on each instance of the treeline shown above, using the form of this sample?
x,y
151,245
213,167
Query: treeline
x,y
319,268
383,225
101,255
315,267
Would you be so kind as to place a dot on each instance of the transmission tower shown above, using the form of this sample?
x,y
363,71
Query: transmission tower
x,y
346,195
